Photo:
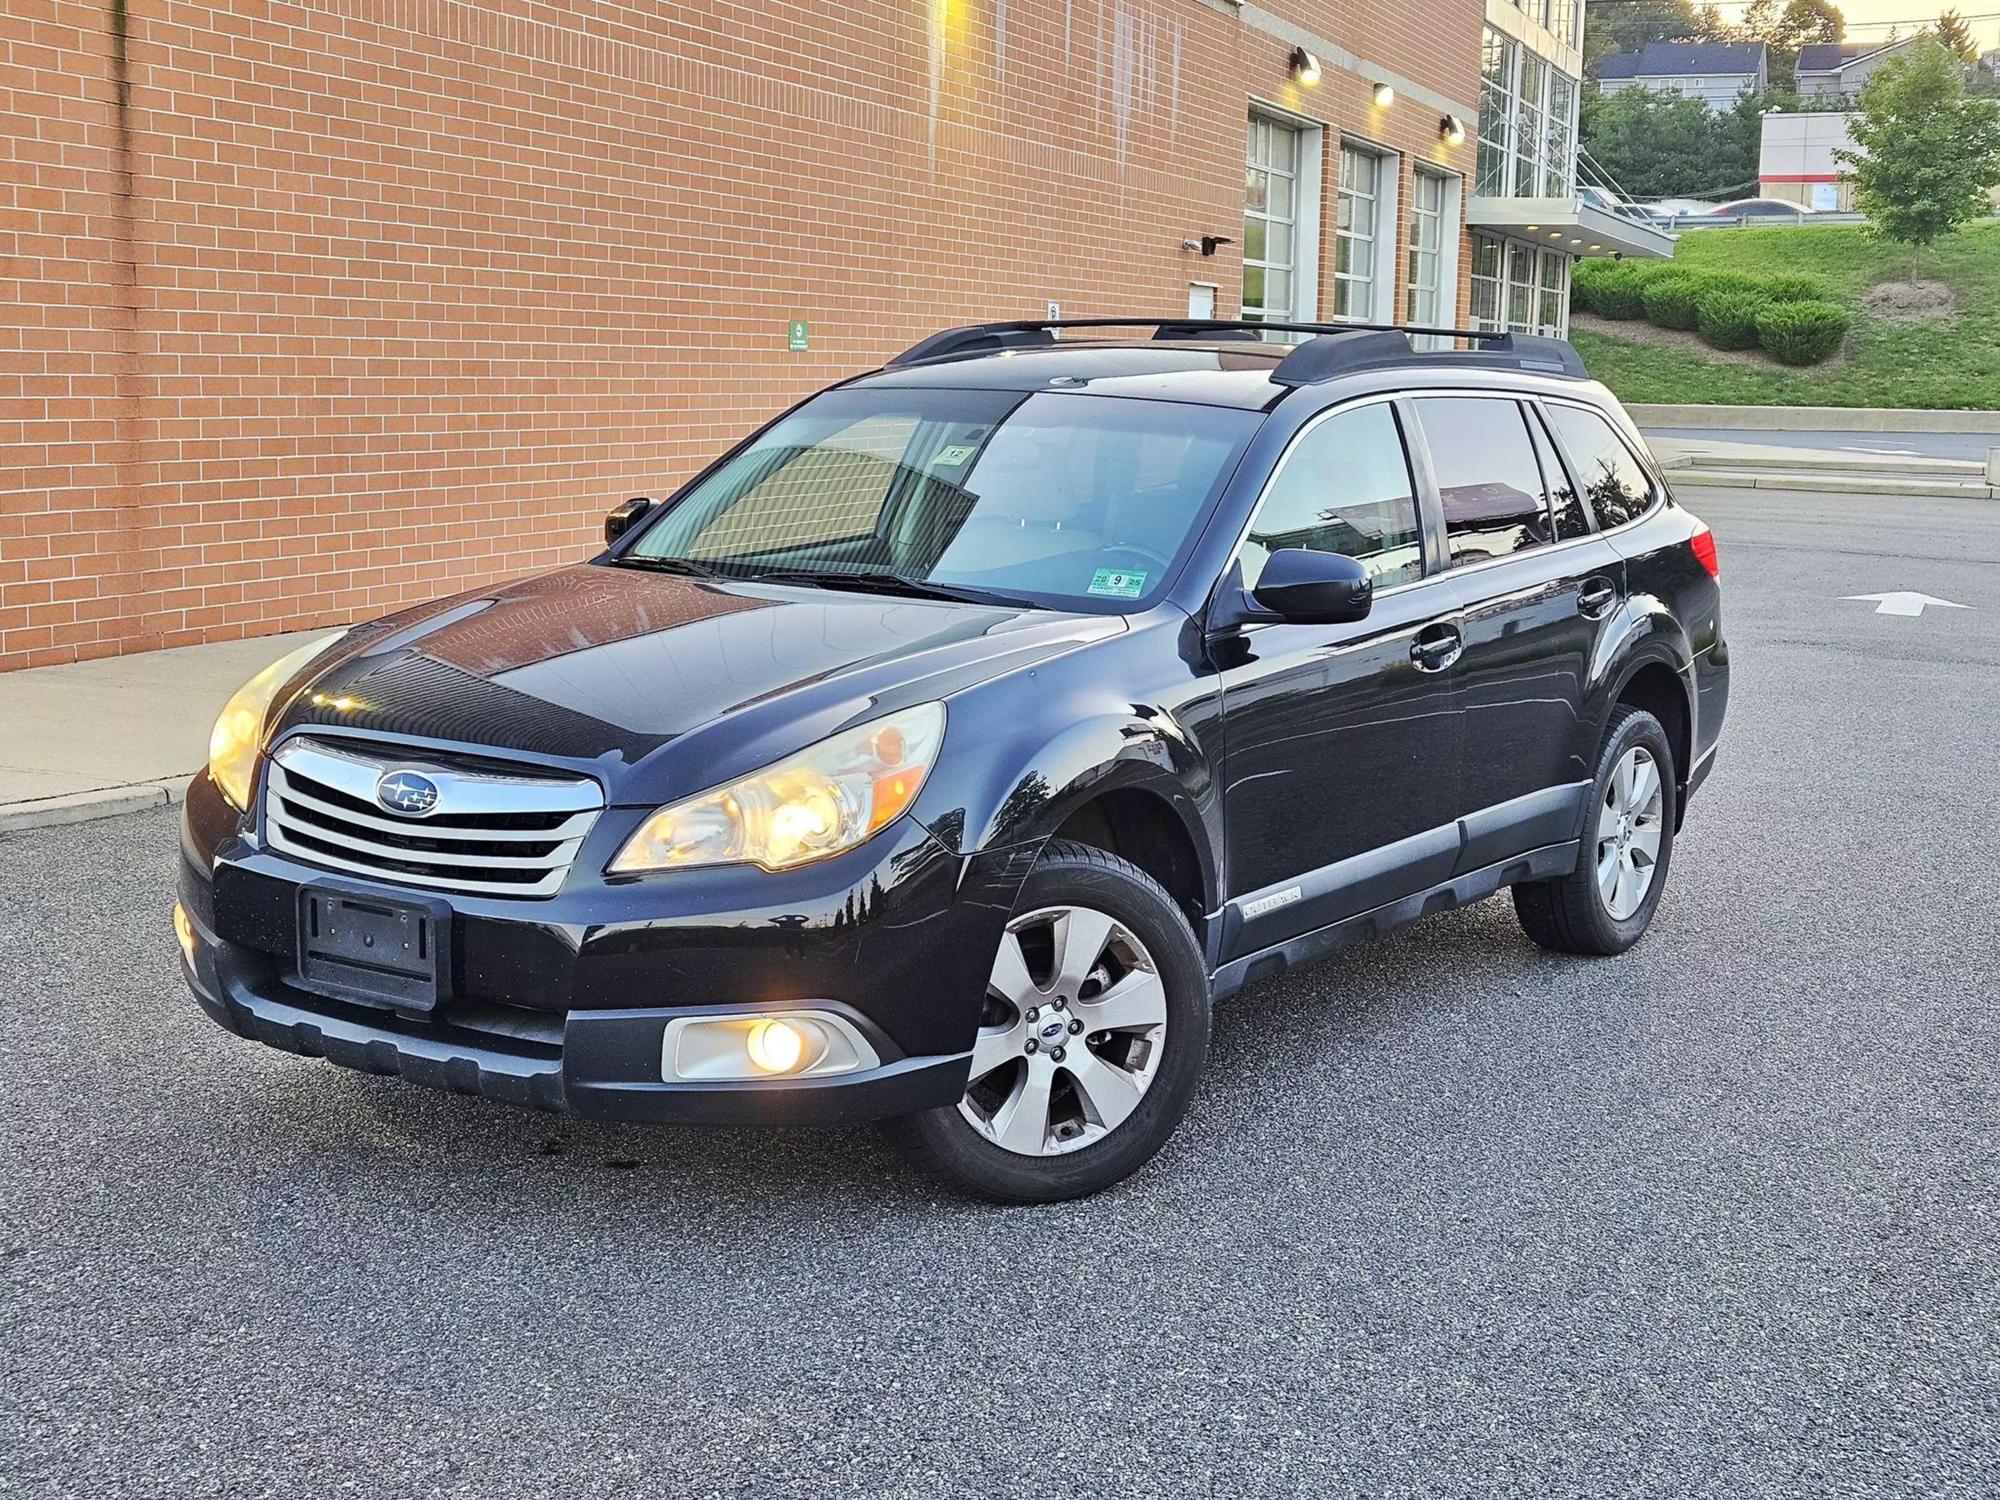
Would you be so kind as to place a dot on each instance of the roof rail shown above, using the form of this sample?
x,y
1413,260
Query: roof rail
x,y
1338,348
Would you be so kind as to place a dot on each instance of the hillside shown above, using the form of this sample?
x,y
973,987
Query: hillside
x,y
1950,362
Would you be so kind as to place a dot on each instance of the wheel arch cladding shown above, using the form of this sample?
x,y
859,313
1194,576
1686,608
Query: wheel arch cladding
x,y
1136,823
1658,689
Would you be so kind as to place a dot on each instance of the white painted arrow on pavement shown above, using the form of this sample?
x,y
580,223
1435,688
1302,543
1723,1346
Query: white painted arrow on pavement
x,y
1903,604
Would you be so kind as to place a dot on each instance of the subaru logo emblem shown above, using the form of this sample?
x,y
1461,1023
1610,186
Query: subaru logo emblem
x,y
1052,1029
407,793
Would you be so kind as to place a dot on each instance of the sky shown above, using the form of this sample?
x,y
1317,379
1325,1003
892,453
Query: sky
x,y
1868,20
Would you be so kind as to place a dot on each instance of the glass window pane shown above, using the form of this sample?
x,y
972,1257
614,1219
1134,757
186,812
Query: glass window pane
x,y
1570,517
1281,245
1040,496
1486,476
1344,487
1253,239
1256,190
1253,285
1612,480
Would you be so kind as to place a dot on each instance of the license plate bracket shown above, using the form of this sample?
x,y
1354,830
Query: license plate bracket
x,y
383,950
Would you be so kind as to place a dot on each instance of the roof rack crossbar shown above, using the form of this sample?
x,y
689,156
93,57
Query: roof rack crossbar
x,y
1332,352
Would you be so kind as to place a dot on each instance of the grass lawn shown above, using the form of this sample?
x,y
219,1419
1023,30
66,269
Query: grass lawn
x,y
1954,363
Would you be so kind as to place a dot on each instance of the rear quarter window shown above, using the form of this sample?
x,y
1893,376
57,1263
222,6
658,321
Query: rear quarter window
x,y
1614,481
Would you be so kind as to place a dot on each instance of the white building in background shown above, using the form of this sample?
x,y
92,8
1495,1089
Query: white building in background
x,y
1717,73
1528,221
1795,160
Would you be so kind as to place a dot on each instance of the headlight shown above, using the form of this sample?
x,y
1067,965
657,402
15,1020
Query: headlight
x,y
239,732
819,802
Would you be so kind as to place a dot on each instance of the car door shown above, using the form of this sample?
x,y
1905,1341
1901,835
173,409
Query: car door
x,y
1537,584
1342,741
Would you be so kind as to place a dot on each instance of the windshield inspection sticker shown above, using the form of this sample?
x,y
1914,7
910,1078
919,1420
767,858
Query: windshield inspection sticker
x,y
956,454
1116,583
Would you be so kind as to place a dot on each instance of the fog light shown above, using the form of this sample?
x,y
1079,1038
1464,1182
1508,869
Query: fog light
x,y
775,1046
800,1043
184,930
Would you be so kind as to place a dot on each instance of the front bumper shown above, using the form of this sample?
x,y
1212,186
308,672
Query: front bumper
x,y
562,1004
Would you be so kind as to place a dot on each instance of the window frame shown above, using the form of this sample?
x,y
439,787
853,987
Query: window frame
x,y
1306,210
1384,243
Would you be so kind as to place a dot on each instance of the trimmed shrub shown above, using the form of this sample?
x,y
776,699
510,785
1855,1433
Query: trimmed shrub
x,y
1797,288
1670,300
1620,293
1727,317
1801,333
1614,288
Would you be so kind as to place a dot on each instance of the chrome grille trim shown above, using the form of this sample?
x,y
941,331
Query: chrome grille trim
x,y
308,781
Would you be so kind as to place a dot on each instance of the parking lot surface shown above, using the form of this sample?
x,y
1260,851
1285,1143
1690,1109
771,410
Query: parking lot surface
x,y
1450,1216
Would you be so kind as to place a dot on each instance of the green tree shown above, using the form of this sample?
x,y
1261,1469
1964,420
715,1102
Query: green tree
x,y
1925,150
1956,37
1784,26
1665,145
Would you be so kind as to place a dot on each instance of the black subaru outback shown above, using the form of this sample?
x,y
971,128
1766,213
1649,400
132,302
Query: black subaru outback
x,y
944,751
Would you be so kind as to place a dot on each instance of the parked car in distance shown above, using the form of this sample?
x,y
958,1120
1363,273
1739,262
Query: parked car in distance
x,y
944,751
1760,208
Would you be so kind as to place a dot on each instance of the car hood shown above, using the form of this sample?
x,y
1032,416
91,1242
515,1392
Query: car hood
x,y
607,667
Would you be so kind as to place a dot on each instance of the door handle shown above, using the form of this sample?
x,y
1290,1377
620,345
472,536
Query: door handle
x,y
1436,647
1596,599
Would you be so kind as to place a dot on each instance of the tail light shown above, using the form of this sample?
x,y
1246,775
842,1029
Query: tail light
x,y
1702,544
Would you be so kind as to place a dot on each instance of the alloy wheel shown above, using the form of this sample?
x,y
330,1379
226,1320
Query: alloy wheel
x,y
1629,827
1073,1032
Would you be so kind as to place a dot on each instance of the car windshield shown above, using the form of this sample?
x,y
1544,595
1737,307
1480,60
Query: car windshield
x,y
1067,499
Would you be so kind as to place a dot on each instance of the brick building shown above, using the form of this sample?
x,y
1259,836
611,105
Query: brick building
x,y
317,309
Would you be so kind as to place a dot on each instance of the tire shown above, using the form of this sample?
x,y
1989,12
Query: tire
x,y
1575,913
1049,1099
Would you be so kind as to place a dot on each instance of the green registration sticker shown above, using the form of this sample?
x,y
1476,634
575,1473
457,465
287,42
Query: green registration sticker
x,y
1116,583
956,454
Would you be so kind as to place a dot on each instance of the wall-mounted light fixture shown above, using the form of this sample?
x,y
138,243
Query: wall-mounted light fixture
x,y
1452,129
1384,96
1305,68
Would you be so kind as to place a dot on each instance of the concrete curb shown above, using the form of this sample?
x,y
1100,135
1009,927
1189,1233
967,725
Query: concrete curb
x,y
1832,484
1815,418
85,807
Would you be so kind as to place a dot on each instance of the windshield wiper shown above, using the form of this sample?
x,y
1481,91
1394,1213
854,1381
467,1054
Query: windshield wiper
x,y
870,581
685,565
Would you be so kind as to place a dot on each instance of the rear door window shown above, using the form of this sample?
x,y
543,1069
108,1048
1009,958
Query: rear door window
x,y
1487,476
1612,477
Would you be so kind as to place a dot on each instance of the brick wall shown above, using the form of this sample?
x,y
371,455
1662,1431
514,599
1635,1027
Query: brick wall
x,y
332,306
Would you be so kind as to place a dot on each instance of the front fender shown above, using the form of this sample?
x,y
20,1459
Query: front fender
x,y
1026,791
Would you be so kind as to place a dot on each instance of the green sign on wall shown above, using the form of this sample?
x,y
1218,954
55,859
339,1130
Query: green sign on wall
x,y
797,337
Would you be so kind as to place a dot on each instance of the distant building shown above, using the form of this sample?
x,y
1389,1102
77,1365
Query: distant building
x,y
1836,70
1529,216
1717,73
1795,161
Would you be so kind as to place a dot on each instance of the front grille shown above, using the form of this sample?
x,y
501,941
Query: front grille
x,y
489,833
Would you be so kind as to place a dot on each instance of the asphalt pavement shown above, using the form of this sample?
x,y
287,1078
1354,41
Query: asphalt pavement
x,y
1450,1216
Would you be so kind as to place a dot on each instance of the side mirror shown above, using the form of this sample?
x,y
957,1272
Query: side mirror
x,y
1314,588
625,517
